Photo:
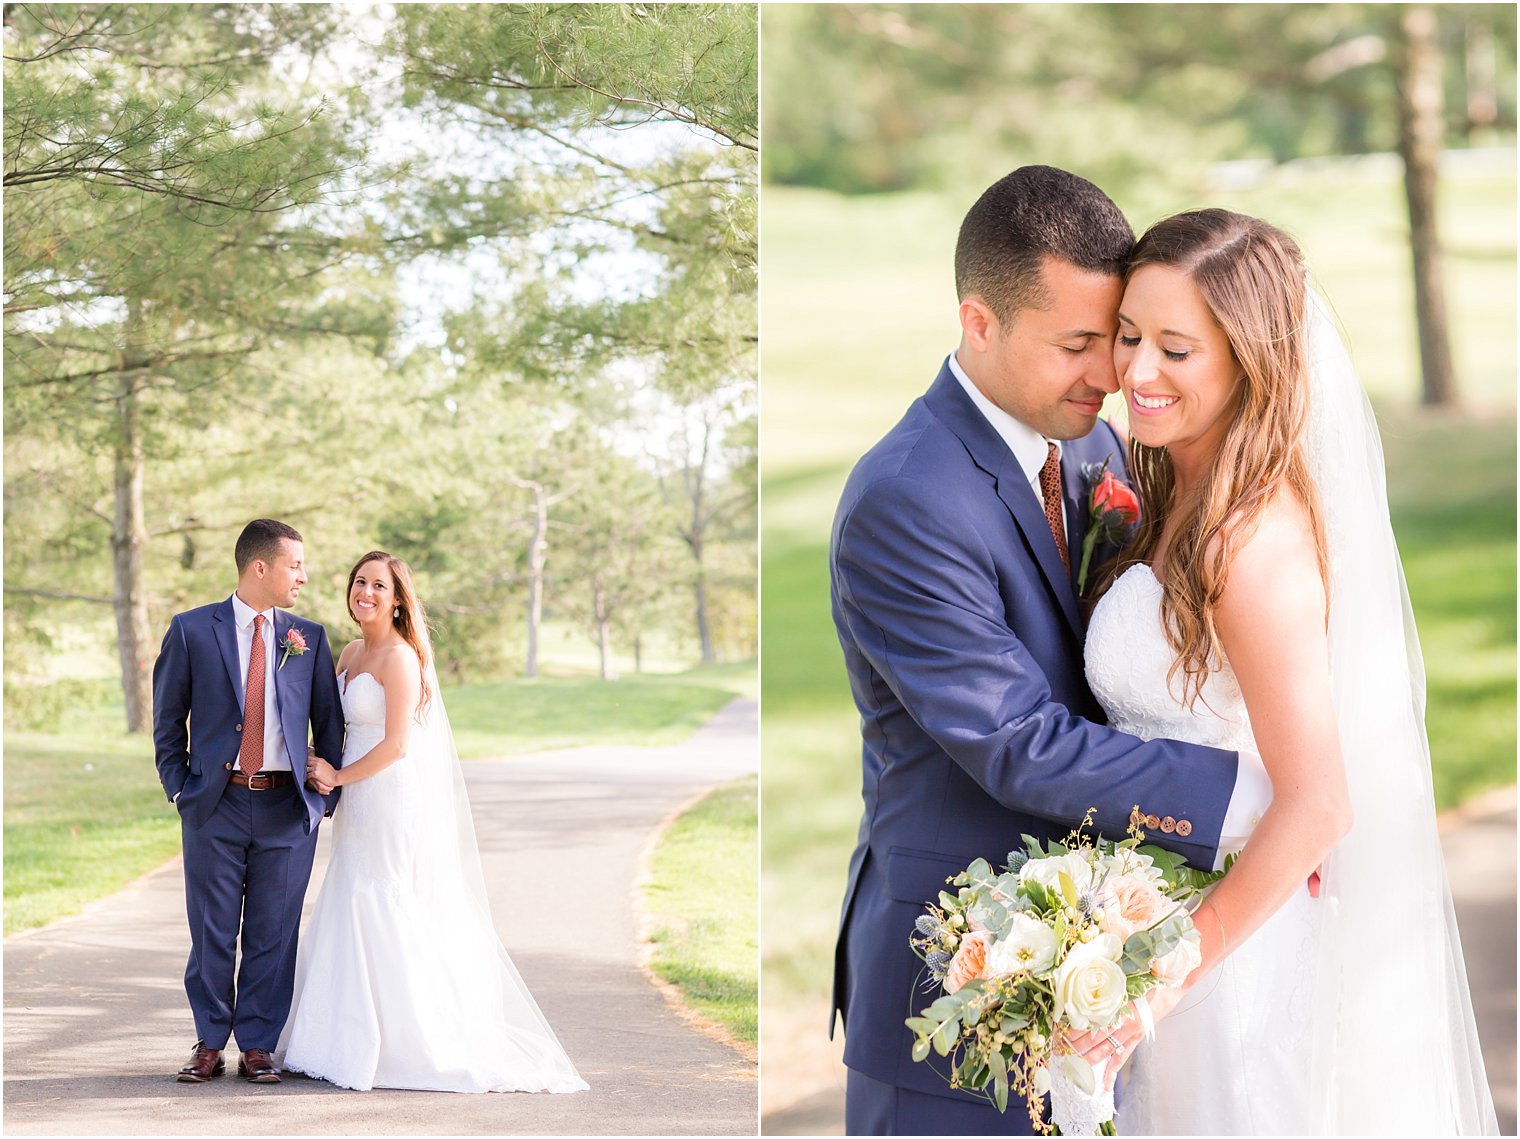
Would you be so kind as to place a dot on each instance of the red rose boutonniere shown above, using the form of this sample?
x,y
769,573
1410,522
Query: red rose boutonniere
x,y
295,645
1112,509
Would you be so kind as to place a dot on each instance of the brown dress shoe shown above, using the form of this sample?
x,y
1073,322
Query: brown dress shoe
x,y
204,1063
258,1066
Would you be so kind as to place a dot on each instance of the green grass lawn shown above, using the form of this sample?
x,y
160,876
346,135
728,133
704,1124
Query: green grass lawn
x,y
703,905
515,716
84,813
887,261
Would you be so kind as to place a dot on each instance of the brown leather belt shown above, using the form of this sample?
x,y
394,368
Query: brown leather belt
x,y
261,780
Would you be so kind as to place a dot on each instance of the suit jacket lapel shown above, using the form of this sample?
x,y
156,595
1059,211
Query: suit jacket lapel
x,y
955,409
226,640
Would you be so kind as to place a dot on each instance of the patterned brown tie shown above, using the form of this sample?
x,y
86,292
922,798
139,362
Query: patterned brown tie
x,y
251,750
1050,488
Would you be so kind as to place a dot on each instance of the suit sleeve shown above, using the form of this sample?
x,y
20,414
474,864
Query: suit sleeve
x,y
919,595
326,711
171,710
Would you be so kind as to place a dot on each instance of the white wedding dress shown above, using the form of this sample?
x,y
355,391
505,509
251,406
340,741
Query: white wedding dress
x,y
1233,1057
401,980
1348,1014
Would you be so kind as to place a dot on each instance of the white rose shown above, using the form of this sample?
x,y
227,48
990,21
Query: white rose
x,y
1174,968
1029,946
1089,985
1047,871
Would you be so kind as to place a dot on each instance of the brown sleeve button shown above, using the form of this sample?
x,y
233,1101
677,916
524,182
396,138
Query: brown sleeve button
x,y
1168,825
228,766
1184,828
1152,822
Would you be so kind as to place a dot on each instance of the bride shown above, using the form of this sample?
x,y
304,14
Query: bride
x,y
1262,608
401,981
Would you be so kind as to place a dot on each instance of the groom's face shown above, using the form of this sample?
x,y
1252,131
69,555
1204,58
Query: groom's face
x,y
1051,368
285,573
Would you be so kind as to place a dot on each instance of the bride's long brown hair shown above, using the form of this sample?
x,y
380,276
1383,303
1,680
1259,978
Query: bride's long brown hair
x,y
411,620
1251,276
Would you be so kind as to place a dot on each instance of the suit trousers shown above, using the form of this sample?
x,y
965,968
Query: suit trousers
x,y
246,870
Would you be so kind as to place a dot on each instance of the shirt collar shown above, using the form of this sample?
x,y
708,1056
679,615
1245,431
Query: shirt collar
x,y
1030,448
243,613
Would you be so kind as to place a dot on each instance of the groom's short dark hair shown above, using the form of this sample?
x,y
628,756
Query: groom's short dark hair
x,y
260,541
1035,212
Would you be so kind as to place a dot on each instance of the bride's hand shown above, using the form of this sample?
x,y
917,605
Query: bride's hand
x,y
320,774
1116,1045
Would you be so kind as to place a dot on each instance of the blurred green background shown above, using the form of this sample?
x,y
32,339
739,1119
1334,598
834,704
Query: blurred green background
x,y
911,112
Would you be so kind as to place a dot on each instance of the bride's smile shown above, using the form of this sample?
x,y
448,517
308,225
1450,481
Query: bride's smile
x,y
1180,379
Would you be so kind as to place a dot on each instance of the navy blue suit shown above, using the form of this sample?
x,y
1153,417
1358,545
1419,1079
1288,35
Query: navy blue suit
x,y
248,854
962,636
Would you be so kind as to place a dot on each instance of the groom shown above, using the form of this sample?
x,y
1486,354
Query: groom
x,y
953,565
234,688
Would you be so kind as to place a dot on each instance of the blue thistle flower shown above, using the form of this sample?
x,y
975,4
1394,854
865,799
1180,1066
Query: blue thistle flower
x,y
1016,860
928,925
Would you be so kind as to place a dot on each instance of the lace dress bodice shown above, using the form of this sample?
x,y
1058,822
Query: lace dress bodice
x,y
1128,657
363,712
375,819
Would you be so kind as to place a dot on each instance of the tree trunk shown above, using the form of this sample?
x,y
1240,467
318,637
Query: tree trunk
x,y
1421,128
603,633
537,556
699,588
129,532
696,481
638,652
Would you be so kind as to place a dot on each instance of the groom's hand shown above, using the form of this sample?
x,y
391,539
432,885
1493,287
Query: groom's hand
x,y
320,774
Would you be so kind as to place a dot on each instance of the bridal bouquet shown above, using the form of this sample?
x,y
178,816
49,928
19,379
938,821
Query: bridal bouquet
x,y
1063,937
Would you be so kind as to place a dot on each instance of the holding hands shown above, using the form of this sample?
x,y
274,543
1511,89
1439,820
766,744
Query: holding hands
x,y
321,776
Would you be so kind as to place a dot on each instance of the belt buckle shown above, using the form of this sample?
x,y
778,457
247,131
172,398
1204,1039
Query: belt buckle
x,y
260,781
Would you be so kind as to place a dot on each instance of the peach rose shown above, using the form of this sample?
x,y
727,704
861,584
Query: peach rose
x,y
1174,968
970,960
1131,904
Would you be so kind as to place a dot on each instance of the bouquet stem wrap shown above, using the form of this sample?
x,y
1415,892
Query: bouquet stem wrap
x,y
1077,1112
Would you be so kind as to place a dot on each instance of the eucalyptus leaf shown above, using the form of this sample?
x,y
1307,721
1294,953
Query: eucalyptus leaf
x,y
1080,1072
921,1049
997,1065
945,1037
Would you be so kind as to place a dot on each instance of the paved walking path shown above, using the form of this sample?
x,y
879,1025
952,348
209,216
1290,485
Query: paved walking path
x,y
1479,844
96,1021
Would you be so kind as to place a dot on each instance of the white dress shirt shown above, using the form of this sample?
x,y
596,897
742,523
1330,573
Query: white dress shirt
x,y
275,758
1253,790
1030,448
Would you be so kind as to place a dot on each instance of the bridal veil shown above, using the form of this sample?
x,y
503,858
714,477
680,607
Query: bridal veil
x,y
1395,1045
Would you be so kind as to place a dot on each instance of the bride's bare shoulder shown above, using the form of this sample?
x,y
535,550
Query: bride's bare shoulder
x,y
1275,565
397,664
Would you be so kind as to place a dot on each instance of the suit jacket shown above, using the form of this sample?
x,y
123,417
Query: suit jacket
x,y
198,707
962,636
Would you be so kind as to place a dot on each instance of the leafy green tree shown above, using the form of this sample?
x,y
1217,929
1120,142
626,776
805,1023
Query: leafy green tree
x,y
157,238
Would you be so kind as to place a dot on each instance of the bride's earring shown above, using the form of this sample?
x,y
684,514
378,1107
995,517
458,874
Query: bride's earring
x,y
396,612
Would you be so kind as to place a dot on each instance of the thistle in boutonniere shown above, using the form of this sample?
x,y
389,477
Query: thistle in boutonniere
x,y
295,645
1112,508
